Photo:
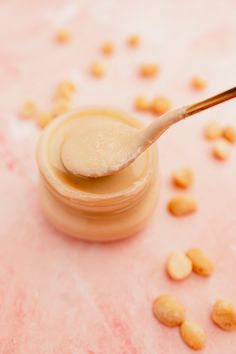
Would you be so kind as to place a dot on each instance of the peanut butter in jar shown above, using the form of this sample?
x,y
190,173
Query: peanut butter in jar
x,y
95,209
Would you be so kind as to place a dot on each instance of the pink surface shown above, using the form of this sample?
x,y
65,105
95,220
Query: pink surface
x,y
58,295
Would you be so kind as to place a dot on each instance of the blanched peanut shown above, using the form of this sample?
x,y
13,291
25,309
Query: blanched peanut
x,y
134,40
183,178
178,266
107,48
221,150
202,265
169,310
44,119
182,205
28,110
61,106
97,70
65,90
193,334
63,36
229,133
149,70
198,83
160,105
141,103
67,86
212,131
224,314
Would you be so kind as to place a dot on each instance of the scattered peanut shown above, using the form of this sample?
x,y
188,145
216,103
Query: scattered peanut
x,y
66,85
160,105
224,314
221,150
28,110
44,119
183,178
61,106
63,36
97,70
202,265
107,48
198,83
178,266
182,205
65,89
141,103
169,310
133,41
193,334
212,131
149,70
229,133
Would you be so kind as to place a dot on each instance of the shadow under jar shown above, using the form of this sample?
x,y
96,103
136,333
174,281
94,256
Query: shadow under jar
x,y
95,209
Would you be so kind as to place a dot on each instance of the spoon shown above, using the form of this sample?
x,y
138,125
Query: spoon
x,y
102,147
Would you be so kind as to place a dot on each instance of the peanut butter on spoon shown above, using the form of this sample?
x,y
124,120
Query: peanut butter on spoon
x,y
102,147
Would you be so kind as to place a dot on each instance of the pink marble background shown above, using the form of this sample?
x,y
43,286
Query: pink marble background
x,y
62,296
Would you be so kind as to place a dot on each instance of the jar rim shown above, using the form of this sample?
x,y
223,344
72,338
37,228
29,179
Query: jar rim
x,y
78,196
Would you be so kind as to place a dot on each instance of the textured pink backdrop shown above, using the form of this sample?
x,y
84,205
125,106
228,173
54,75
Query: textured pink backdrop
x,y
58,295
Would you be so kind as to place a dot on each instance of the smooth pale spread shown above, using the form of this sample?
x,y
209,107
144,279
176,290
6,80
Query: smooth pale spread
x,y
98,147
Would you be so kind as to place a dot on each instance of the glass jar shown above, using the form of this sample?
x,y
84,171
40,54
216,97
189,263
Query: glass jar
x,y
101,209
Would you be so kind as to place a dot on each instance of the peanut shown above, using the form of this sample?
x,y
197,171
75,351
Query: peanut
x,y
61,106
221,150
198,83
141,103
212,131
183,178
28,110
193,334
224,315
63,36
169,310
107,48
44,119
202,265
133,40
178,266
182,205
97,70
160,105
149,70
229,133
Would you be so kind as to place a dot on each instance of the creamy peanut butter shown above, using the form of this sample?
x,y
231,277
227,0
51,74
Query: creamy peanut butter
x,y
98,146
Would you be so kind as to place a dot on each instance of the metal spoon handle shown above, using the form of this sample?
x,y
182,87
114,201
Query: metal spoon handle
x,y
212,101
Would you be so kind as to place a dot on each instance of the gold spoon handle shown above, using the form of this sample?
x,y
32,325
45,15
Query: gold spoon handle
x,y
154,130
212,101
